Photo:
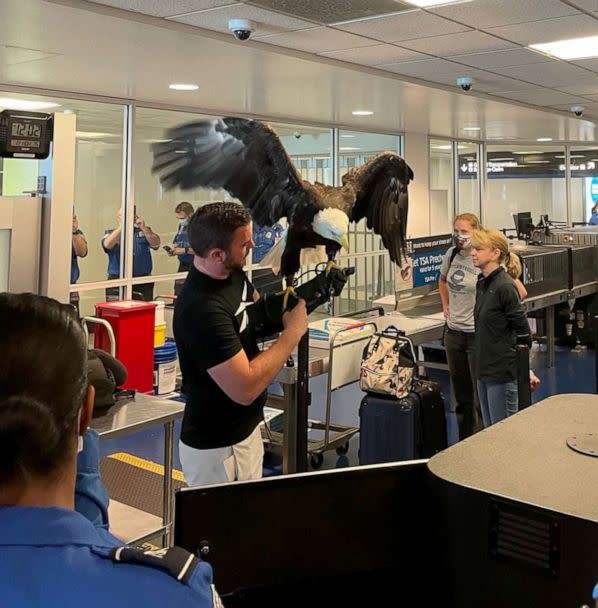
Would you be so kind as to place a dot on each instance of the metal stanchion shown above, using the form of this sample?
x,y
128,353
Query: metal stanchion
x,y
523,384
596,350
303,399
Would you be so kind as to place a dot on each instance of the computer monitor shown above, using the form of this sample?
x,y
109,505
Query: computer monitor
x,y
523,224
337,532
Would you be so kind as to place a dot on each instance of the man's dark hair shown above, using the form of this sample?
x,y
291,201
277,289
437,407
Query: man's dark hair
x,y
184,207
212,226
43,378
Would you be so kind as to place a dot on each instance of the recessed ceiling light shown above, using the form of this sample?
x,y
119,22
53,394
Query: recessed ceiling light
x,y
362,112
348,148
472,129
572,48
544,139
183,87
431,3
8,103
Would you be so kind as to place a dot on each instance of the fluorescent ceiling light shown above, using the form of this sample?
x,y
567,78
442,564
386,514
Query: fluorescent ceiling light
x,y
537,162
471,129
362,112
573,48
348,148
431,3
492,160
183,87
8,103
544,139
93,135
443,147
528,152
347,135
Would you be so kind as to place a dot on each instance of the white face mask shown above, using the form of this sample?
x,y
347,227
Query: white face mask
x,y
462,241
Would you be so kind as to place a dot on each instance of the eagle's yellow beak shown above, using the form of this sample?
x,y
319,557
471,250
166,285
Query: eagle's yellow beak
x,y
345,243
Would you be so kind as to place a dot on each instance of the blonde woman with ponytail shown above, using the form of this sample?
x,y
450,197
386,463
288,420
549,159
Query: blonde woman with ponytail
x,y
500,324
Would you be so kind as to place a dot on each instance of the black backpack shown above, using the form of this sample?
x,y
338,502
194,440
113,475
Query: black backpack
x,y
106,374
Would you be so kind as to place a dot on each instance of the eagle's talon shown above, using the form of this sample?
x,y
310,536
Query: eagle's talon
x,y
330,265
289,291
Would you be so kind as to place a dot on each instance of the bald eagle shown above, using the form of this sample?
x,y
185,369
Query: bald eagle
x,y
247,159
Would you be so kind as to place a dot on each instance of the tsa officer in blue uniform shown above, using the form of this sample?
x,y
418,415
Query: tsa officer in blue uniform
x,y
144,240
265,237
50,555
181,249
78,250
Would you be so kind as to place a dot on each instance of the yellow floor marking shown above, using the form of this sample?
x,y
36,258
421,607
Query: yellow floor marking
x,y
146,465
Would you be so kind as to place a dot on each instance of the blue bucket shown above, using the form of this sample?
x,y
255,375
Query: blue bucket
x,y
165,368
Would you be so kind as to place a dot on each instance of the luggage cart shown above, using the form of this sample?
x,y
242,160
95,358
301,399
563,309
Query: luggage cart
x,y
344,367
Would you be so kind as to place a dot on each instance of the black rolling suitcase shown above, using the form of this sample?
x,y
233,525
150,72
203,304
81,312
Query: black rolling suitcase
x,y
432,417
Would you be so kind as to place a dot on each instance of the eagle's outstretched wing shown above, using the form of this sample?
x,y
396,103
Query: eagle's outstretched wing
x,y
381,196
244,157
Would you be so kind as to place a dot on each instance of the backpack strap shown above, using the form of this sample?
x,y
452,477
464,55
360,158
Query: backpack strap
x,y
454,253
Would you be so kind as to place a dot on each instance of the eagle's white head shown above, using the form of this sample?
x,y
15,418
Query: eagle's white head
x,y
332,224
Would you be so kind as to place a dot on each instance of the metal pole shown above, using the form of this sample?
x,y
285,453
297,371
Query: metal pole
x,y
550,336
523,385
596,349
167,489
289,432
303,399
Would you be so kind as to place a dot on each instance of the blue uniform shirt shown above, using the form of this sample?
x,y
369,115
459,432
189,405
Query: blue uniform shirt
x,y
74,266
142,258
182,240
594,219
265,238
55,557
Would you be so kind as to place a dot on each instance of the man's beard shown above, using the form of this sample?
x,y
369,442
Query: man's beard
x,y
232,265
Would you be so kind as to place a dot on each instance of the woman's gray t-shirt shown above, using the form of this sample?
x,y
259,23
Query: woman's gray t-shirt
x,y
461,279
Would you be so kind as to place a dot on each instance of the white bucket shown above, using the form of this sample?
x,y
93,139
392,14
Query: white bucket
x,y
159,320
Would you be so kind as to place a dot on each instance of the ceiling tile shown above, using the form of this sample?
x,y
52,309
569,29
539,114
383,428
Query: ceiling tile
x,y
592,96
540,97
409,25
501,59
590,64
266,22
586,5
549,74
488,82
14,55
548,30
489,13
588,88
375,55
317,40
165,8
453,44
333,11
425,69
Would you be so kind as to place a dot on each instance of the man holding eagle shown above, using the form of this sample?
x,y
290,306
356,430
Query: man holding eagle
x,y
219,316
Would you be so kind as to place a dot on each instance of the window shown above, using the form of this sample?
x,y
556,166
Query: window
x,y
441,186
584,182
373,276
524,178
468,184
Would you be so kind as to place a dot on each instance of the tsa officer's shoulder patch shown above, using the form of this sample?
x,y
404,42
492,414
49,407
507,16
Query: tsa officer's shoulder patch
x,y
179,563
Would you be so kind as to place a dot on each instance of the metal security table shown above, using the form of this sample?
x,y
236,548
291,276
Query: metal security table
x,y
134,415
